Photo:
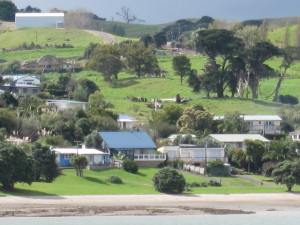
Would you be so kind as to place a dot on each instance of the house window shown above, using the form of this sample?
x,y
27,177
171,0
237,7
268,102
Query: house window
x,y
24,90
259,122
67,156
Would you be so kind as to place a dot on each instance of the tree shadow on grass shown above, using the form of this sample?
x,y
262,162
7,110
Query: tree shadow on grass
x,y
141,174
127,82
95,180
31,194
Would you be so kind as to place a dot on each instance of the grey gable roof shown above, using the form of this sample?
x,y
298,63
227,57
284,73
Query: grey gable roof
x,y
127,140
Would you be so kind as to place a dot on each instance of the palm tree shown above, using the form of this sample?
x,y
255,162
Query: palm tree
x,y
281,150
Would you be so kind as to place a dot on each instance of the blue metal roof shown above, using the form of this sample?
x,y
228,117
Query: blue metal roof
x,y
127,140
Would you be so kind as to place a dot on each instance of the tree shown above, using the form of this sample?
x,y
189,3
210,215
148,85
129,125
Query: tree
x,y
93,140
30,9
30,127
140,59
80,94
79,18
7,10
169,181
127,16
45,163
107,60
281,150
287,172
195,118
159,39
79,162
8,120
147,40
15,166
88,52
182,66
255,58
234,123
97,100
254,154
10,100
290,55
218,43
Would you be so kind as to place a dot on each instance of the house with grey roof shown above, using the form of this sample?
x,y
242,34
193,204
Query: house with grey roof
x,y
61,104
260,124
137,146
236,140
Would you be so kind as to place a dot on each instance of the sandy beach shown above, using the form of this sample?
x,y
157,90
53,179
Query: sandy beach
x,y
120,205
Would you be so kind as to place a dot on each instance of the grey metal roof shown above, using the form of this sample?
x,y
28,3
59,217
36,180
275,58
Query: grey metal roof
x,y
226,138
127,140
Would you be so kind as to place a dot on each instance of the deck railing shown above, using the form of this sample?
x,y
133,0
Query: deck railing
x,y
152,157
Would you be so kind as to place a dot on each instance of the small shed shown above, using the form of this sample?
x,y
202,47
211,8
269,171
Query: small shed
x,y
126,122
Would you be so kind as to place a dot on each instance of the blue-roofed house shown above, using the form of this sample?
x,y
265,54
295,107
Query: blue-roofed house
x,y
126,122
134,145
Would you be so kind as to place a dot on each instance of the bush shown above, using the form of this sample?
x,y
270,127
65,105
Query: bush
x,y
130,166
288,99
211,183
115,180
176,164
168,180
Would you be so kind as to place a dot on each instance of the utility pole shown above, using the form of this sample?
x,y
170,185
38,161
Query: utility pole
x,y
77,143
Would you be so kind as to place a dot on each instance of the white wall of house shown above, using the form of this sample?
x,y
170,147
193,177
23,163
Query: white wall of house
x,y
23,20
264,127
295,135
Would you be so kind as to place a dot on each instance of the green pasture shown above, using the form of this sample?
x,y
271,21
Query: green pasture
x,y
46,36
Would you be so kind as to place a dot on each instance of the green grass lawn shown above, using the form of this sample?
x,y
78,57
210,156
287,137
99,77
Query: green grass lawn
x,y
95,183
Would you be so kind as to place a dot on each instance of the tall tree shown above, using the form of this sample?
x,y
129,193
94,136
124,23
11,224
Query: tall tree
x,y
15,166
7,10
140,59
290,55
182,66
159,39
254,154
255,58
107,60
147,40
218,43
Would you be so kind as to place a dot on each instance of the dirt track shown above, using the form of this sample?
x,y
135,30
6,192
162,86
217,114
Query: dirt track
x,y
109,205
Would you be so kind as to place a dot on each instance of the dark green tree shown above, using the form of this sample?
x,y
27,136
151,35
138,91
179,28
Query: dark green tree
x,y
255,151
234,123
45,163
107,60
181,66
140,59
159,39
288,173
255,58
7,10
281,150
218,43
15,166
88,52
169,181
8,120
130,166
88,85
147,40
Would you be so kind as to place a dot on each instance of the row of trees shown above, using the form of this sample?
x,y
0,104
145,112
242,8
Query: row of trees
x,y
232,64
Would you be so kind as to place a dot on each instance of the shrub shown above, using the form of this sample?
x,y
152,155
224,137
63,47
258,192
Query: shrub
x,y
176,164
288,99
168,180
115,180
130,166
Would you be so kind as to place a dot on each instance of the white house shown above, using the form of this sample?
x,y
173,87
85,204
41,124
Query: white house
x,y
295,135
21,85
23,20
126,122
193,154
66,104
262,124
96,158
236,140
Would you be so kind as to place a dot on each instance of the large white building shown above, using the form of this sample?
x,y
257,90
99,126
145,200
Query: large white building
x,y
23,20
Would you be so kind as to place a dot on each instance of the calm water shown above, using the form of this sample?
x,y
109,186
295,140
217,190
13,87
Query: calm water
x,y
270,219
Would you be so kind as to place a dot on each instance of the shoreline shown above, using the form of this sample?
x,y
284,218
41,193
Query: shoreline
x,y
143,205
